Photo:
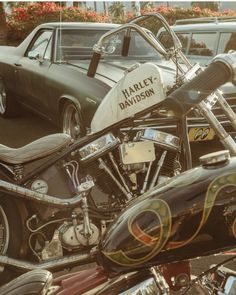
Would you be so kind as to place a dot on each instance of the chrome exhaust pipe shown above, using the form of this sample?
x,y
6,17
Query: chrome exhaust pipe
x,y
49,265
34,196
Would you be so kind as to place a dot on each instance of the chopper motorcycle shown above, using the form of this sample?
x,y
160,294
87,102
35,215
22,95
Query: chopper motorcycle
x,y
49,188
189,215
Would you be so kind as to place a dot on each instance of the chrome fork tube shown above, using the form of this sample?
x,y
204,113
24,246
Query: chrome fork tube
x,y
224,137
229,113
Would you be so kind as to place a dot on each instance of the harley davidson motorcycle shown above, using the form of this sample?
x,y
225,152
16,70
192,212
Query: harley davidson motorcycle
x,y
146,249
58,197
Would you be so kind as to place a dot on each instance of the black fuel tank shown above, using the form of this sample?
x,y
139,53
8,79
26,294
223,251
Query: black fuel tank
x,y
193,214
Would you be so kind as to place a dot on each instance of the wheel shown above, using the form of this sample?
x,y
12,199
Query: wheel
x,y
7,106
71,121
10,236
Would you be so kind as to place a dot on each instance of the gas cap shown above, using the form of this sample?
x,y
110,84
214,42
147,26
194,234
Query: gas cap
x,y
215,160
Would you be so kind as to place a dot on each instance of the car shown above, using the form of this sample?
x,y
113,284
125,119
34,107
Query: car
x,y
203,38
47,73
37,74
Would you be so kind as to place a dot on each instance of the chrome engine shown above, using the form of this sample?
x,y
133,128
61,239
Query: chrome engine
x,y
133,164
106,173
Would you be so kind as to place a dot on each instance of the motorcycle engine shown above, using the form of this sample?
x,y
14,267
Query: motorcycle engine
x,y
131,164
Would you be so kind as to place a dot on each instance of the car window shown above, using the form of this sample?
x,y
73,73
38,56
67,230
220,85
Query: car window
x,y
203,44
165,40
41,47
184,39
138,47
78,44
227,42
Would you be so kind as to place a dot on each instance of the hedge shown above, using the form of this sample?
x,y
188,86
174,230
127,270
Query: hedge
x,y
24,18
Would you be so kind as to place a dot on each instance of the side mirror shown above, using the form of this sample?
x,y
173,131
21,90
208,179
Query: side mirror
x,y
33,55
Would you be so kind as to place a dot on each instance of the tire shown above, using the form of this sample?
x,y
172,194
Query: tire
x,y
10,236
8,108
72,121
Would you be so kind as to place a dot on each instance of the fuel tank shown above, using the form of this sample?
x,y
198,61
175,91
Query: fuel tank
x,y
190,215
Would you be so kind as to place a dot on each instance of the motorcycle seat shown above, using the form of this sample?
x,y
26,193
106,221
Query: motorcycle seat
x,y
34,282
37,149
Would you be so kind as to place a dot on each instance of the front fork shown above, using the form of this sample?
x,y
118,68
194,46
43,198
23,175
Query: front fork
x,y
225,138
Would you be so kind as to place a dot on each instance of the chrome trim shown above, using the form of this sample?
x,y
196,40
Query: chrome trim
x,y
224,136
125,189
228,111
97,147
158,168
161,138
49,265
215,158
129,195
28,194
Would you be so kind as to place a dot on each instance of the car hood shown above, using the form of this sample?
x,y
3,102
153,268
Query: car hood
x,y
110,72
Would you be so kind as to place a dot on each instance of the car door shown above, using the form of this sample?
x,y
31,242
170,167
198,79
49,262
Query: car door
x,y
31,71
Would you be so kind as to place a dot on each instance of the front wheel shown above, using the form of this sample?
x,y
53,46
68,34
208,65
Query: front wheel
x,y
8,108
71,121
11,234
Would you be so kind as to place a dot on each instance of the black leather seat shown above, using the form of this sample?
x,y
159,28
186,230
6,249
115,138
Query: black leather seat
x,y
34,282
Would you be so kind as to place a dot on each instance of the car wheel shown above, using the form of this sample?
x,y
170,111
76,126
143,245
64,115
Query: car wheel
x,y
10,236
71,121
7,106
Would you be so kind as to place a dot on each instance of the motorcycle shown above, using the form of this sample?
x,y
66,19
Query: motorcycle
x,y
50,188
146,249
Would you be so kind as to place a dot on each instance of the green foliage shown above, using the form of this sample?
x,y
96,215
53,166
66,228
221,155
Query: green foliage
x,y
172,14
117,11
214,6
25,17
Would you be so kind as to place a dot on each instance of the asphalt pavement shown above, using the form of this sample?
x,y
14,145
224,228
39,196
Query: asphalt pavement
x,y
23,129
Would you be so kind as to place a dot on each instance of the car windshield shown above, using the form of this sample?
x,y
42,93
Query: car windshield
x,y
77,44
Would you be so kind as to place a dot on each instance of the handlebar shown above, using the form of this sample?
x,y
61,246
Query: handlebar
x,y
221,70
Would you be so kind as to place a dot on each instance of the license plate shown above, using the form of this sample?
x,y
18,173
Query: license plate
x,y
201,134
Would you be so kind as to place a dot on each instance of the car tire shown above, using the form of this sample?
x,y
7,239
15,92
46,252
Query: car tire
x,y
72,121
11,237
8,107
